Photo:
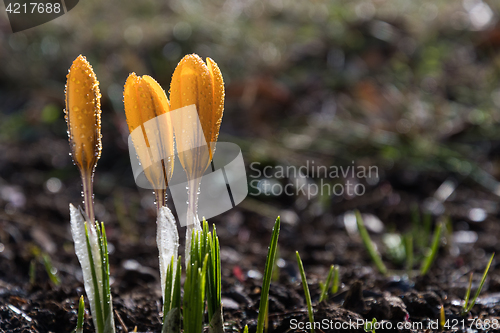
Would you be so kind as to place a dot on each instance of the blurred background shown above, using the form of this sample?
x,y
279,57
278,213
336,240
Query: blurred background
x,y
411,87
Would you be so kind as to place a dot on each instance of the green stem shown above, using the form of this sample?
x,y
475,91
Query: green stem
x,y
88,200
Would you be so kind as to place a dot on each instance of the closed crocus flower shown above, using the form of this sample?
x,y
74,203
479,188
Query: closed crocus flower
x,y
146,107
83,115
199,84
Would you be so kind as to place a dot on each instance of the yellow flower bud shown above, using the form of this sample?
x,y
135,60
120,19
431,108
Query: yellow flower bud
x,y
195,82
145,101
83,115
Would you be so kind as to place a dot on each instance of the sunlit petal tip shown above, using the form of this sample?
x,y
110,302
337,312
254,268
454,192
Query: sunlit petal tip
x,y
190,82
158,94
130,102
218,98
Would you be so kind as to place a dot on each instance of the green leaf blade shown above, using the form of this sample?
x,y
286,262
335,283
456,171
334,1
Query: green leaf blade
x,y
306,290
369,245
271,255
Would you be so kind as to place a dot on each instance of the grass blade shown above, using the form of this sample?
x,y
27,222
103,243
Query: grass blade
x,y
370,326
50,270
426,264
266,283
106,288
467,295
276,269
81,313
336,280
306,291
481,284
408,241
324,291
176,294
370,247
442,318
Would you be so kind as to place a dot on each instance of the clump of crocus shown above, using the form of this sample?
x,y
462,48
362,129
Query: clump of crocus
x,y
83,115
153,121
199,84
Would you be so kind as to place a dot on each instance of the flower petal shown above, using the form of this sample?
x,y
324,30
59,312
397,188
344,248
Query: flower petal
x,y
213,121
146,107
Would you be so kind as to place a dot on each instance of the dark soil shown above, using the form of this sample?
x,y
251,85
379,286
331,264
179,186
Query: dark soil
x,y
244,235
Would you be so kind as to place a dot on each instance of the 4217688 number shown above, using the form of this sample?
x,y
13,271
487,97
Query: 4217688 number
x,y
33,8
472,323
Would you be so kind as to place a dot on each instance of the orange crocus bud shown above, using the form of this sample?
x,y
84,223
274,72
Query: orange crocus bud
x,y
199,84
83,115
146,107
